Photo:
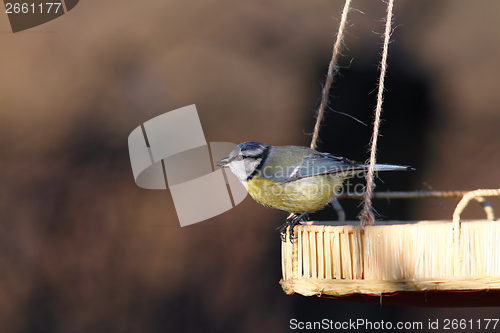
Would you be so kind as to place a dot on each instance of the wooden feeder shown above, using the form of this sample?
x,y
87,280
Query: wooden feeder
x,y
424,263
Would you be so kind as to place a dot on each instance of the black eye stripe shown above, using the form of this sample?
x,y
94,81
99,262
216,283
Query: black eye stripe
x,y
263,153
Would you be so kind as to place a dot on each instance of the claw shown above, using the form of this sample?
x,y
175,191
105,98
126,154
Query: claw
x,y
291,221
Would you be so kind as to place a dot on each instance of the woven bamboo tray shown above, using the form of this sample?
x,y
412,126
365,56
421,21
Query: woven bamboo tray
x,y
426,263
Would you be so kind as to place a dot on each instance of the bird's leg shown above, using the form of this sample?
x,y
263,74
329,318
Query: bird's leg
x,y
291,221
283,227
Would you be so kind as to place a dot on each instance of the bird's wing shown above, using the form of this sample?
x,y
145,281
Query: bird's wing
x,y
309,165
324,163
284,165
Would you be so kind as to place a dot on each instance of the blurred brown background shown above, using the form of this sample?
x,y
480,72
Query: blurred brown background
x,y
83,249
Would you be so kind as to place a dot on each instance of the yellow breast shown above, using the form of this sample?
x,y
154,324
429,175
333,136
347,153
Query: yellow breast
x,y
304,195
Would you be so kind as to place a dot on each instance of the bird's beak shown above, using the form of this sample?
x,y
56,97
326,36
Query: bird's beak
x,y
222,163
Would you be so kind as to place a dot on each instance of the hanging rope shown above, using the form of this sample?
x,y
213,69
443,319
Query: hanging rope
x,y
366,216
332,69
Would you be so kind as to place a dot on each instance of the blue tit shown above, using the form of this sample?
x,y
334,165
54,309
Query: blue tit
x,y
295,179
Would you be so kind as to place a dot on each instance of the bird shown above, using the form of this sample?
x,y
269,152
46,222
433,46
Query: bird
x,y
295,179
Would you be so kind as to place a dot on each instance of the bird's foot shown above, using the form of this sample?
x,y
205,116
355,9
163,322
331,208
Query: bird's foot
x,y
291,221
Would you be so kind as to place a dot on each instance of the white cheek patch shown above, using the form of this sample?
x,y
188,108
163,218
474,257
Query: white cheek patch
x,y
237,167
251,165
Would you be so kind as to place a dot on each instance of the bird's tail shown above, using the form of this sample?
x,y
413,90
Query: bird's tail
x,y
391,167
